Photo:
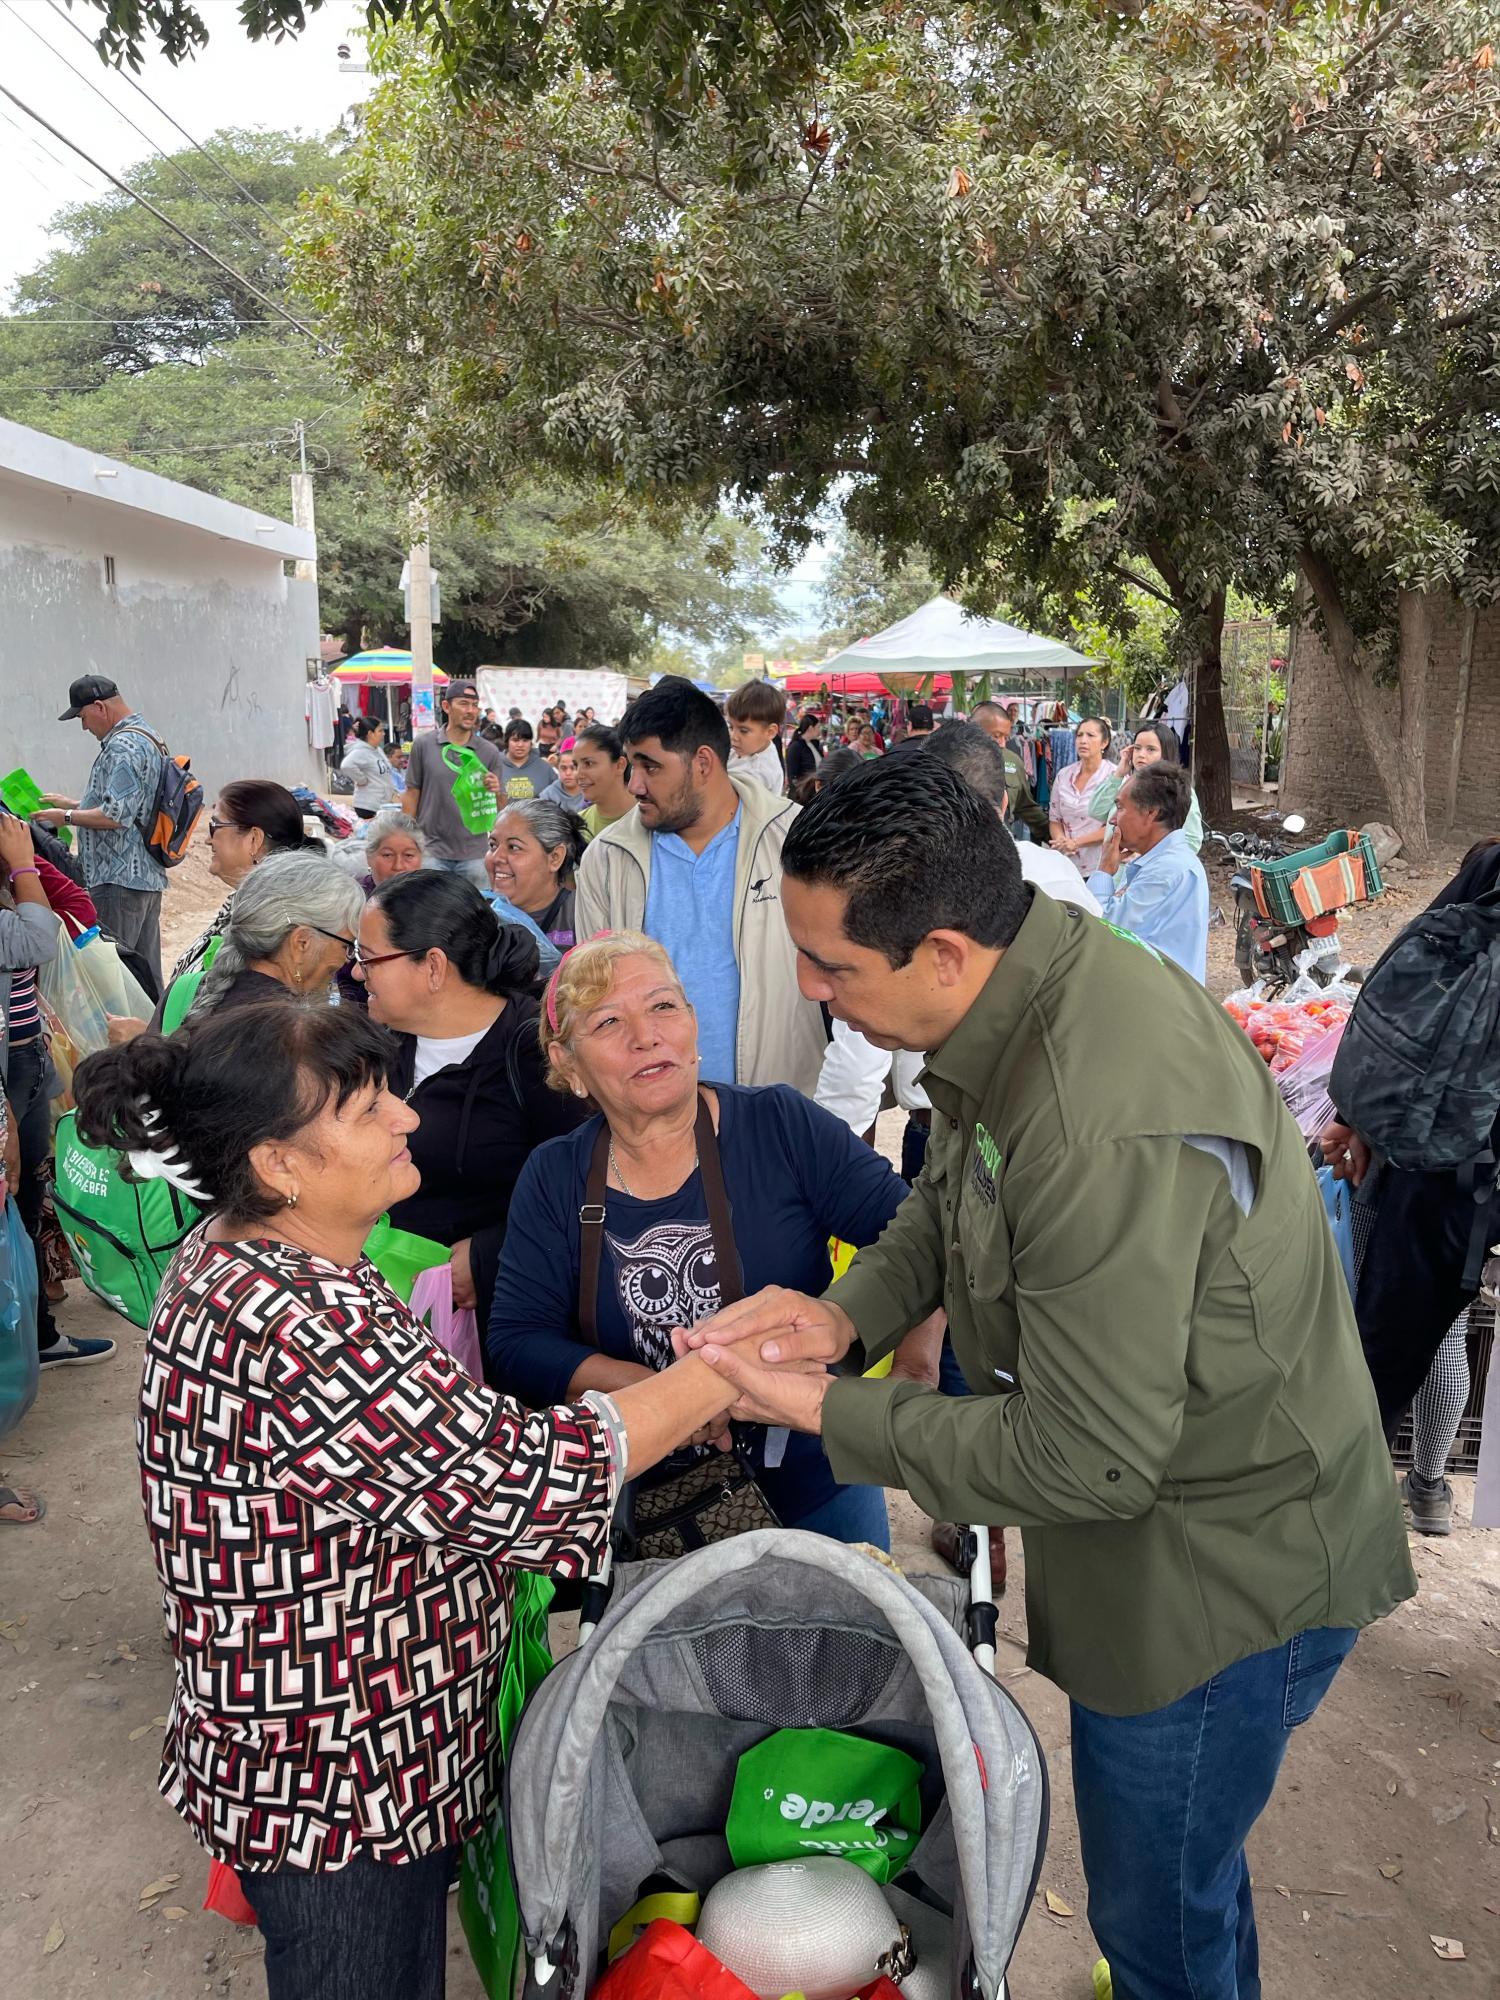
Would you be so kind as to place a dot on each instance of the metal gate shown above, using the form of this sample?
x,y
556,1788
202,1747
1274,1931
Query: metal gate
x,y
1254,655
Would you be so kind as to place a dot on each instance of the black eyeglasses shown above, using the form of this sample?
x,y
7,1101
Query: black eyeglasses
x,y
351,948
218,826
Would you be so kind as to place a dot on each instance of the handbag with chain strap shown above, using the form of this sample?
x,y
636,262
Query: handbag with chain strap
x,y
681,1508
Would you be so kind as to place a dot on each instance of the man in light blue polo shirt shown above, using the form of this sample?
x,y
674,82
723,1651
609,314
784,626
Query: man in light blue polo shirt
x,y
1160,893
690,910
697,867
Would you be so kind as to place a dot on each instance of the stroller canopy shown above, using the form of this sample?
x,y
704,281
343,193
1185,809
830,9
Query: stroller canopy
x,y
624,1763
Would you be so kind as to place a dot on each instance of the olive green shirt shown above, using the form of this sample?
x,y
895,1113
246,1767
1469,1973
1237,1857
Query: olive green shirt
x,y
1169,1396
1021,800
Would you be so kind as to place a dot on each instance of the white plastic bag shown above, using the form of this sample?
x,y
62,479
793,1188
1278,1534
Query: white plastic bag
x,y
113,984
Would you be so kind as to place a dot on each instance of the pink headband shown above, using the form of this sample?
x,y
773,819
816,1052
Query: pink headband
x,y
549,998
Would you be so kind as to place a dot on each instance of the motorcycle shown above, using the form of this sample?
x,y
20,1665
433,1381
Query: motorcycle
x,y
1267,953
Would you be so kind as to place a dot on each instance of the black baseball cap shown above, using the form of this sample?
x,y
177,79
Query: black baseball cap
x,y
93,687
459,687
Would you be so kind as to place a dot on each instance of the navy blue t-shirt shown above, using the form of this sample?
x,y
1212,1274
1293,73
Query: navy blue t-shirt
x,y
795,1176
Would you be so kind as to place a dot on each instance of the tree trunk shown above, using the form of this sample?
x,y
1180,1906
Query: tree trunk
x,y
1392,722
1211,772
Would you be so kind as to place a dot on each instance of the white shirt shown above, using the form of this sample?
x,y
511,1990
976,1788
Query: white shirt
x,y
435,1052
318,706
852,1079
764,767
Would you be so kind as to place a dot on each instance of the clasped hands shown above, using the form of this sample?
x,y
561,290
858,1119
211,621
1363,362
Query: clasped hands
x,y
775,1350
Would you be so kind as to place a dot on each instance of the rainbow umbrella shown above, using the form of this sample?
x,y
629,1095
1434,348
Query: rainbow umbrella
x,y
384,666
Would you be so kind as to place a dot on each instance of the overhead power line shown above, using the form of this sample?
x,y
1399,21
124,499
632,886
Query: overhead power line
x,y
139,130
46,152
140,88
161,216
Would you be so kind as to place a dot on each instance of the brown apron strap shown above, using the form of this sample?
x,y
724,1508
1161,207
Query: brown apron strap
x,y
720,1216
591,1237
591,1222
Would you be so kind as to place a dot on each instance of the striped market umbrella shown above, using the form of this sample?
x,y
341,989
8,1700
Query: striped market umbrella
x,y
383,666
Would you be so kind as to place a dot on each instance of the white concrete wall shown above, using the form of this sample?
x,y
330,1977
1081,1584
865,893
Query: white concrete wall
x,y
206,637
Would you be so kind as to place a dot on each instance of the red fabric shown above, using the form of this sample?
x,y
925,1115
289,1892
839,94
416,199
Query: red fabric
x,y
667,1962
72,904
224,1896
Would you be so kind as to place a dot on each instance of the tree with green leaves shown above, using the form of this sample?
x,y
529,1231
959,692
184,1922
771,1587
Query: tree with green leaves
x,y
130,342
1071,313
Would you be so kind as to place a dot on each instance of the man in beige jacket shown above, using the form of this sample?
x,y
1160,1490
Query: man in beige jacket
x,y
697,866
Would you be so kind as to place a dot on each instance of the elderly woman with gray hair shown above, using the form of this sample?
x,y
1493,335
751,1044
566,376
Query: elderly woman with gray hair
x,y
292,927
534,849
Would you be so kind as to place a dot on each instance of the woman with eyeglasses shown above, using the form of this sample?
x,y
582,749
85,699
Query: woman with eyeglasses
x,y
252,820
458,987
291,927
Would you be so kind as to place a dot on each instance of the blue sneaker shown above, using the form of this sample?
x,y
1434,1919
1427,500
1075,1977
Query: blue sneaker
x,y
68,1352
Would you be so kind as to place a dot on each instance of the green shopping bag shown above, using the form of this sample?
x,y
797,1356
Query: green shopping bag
x,y
486,1897
400,1256
819,1791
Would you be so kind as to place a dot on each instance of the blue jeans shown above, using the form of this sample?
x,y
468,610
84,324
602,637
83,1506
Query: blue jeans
x,y
1165,1802
368,1931
854,1514
474,870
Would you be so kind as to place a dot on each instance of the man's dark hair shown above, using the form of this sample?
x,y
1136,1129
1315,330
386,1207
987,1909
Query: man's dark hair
x,y
915,849
1164,790
680,716
521,729
918,716
978,759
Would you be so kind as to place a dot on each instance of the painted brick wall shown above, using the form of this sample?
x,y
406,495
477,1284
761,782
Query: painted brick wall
x,y
1327,771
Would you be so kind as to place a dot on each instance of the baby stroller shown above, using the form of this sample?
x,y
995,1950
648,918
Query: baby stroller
x,y
623,1766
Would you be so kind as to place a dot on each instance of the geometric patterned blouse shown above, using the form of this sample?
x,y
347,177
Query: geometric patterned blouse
x,y
333,1506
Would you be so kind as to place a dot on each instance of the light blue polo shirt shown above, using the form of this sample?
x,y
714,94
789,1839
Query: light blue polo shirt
x,y
690,912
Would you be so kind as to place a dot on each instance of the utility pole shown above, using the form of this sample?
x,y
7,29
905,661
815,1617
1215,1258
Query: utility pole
x,y
302,504
420,577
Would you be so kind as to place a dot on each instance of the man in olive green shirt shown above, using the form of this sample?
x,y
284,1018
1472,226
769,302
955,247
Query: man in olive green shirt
x,y
1024,810
1168,1394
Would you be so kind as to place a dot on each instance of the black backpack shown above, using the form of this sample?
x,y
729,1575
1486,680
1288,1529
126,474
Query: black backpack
x,y
1417,1073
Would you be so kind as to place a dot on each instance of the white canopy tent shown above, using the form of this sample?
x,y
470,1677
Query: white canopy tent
x,y
943,638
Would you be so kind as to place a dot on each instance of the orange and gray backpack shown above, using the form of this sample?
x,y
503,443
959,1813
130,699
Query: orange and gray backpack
x,y
174,811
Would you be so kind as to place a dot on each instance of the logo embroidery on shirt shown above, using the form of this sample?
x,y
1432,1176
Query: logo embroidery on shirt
x,y
988,1160
1131,938
761,891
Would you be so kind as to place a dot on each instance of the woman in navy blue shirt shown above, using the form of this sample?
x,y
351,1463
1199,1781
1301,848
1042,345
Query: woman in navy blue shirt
x,y
619,1031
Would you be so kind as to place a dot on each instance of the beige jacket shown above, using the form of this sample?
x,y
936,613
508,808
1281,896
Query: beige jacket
x,y
780,1037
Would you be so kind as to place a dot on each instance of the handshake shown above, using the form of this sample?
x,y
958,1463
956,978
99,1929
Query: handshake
x,y
774,1350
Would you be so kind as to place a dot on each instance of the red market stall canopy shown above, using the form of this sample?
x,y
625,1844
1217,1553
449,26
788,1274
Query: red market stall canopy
x,y
812,680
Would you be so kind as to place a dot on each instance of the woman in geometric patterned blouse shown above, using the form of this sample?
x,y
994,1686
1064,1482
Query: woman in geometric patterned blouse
x,y
335,1508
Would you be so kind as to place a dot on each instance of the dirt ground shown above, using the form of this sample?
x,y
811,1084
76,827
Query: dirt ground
x,y
1384,1832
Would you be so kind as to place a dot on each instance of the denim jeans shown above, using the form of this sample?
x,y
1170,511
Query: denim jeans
x,y
474,870
370,1931
1165,1802
26,1086
854,1514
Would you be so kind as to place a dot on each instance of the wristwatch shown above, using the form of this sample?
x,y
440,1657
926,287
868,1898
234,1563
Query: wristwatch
x,y
68,817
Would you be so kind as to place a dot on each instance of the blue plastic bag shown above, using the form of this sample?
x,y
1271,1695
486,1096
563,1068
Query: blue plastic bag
x,y
18,1356
1338,1205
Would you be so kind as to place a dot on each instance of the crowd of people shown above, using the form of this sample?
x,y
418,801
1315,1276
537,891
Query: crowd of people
x,y
617,1056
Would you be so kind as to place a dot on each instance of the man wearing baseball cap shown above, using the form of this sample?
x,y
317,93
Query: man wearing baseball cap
x,y
429,785
124,878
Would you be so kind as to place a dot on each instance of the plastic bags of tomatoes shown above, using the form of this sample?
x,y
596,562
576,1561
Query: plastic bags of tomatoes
x,y
1284,1031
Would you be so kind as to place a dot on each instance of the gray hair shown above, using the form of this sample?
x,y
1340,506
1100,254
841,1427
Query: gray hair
x,y
554,826
388,823
271,902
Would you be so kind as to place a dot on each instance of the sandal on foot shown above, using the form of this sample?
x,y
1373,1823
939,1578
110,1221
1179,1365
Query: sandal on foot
x,y
17,1496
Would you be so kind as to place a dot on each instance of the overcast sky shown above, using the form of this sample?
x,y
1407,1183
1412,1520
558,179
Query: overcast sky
x,y
295,84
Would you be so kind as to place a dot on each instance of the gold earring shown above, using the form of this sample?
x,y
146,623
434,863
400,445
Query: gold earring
x,y
291,1200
